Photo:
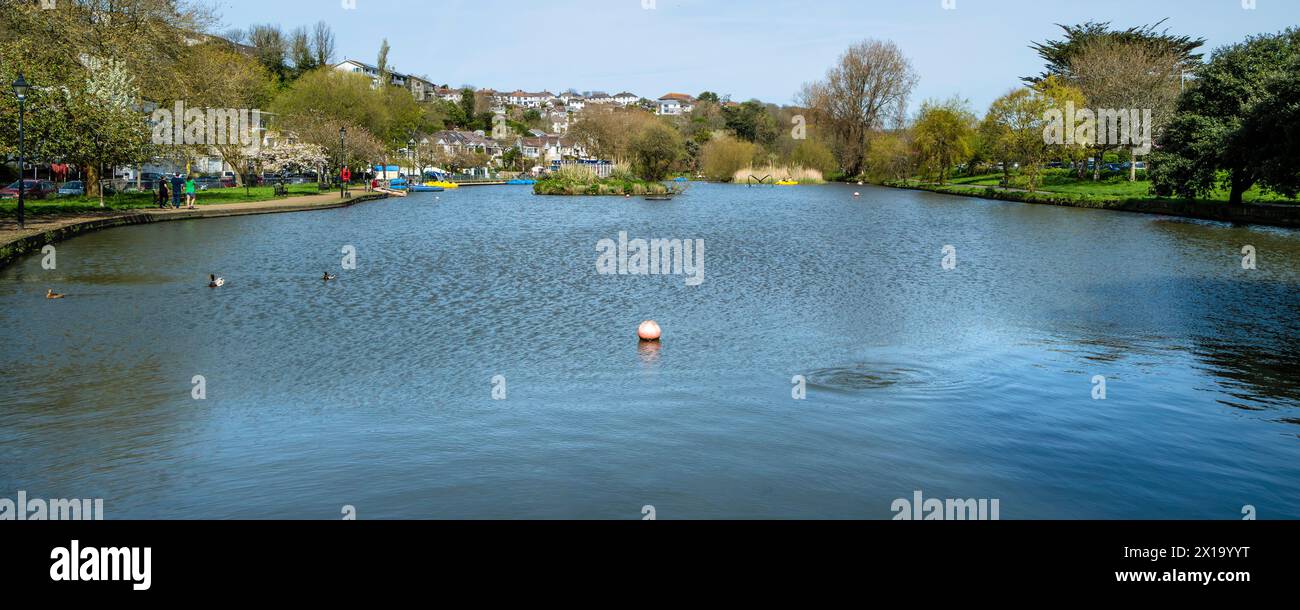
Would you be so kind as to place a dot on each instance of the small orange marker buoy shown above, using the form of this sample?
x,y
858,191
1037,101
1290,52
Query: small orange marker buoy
x,y
649,331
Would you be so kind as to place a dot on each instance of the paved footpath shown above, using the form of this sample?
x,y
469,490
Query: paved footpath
x,y
45,229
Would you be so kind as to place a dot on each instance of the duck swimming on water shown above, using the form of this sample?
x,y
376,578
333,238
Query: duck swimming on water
x,y
327,277
50,294
215,282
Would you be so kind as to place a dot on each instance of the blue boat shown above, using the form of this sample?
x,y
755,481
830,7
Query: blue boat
x,y
420,188
521,182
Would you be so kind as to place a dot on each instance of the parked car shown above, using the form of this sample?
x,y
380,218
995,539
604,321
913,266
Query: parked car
x,y
33,189
73,188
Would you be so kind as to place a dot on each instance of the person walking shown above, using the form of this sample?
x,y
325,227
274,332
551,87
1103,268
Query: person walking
x,y
162,192
178,185
190,192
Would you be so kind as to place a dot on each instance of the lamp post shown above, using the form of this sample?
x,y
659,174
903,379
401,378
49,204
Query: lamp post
x,y
20,90
343,161
410,153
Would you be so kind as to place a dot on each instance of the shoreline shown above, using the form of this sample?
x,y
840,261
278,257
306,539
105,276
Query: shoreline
x,y
1266,214
62,228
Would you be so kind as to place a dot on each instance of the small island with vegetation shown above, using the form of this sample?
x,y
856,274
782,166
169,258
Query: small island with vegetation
x,y
578,180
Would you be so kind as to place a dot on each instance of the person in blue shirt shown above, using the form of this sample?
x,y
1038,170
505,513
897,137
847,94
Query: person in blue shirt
x,y
178,186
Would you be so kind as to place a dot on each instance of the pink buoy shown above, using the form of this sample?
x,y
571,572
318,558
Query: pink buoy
x,y
649,331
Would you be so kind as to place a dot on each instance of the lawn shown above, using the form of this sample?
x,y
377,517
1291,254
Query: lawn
x,y
1110,186
128,201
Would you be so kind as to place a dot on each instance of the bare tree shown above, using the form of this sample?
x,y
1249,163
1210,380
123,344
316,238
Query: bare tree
x,y
322,42
300,50
1126,76
862,93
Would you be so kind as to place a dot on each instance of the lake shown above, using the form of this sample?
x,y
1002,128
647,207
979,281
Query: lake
x,y
952,346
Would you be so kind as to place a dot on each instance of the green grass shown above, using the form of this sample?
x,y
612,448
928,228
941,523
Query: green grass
x,y
131,201
1111,187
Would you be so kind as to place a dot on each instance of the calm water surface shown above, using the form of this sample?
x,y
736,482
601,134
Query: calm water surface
x,y
376,390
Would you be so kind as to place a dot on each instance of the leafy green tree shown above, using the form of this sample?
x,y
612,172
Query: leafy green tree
x,y
890,157
944,136
467,105
656,150
1275,126
751,121
1015,127
811,154
724,155
1219,135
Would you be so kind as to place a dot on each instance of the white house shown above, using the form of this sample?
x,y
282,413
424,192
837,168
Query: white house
x,y
421,88
674,104
626,99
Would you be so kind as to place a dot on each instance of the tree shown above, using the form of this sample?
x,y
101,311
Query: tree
x,y
88,63
1060,55
1060,96
1015,127
467,105
1128,76
322,43
385,76
270,48
890,157
811,154
868,87
290,157
300,51
389,113
105,127
222,77
724,155
751,121
655,150
1275,127
943,136
1214,139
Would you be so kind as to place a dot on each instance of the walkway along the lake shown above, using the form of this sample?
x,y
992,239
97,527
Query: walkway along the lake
x,y
1272,214
41,231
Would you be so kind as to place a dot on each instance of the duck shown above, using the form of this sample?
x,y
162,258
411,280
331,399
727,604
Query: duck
x,y
328,277
216,282
50,294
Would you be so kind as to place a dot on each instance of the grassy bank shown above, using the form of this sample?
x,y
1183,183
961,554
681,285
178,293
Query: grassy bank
x,y
1112,187
1130,197
579,181
131,201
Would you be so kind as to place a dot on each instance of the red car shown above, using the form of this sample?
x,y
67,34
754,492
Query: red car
x,y
32,189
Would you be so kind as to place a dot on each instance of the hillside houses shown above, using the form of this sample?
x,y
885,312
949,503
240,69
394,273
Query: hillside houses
x,y
674,104
420,88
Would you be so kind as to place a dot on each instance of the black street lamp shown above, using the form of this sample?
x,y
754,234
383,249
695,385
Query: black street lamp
x,y
410,152
20,90
343,161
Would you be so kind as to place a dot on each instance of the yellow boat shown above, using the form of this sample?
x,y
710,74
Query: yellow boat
x,y
787,183
444,184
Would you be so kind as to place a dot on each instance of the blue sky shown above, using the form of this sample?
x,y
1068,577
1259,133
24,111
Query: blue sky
x,y
762,49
